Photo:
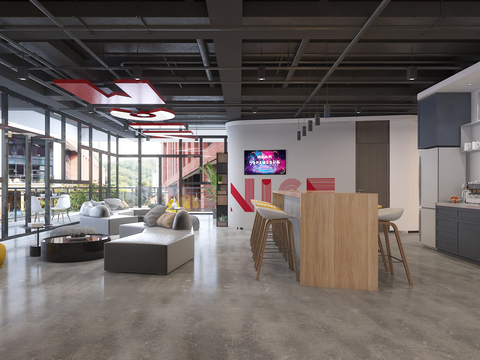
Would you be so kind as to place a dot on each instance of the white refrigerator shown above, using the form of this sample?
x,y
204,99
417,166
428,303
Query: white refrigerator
x,y
442,172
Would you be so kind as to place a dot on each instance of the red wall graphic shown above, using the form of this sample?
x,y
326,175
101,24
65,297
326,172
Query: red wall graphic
x,y
320,184
267,190
245,203
313,184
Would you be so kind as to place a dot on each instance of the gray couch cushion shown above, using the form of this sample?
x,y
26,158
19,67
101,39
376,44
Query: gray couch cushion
x,y
152,216
99,211
182,221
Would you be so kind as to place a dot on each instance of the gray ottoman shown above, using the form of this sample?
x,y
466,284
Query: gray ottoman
x,y
158,252
72,230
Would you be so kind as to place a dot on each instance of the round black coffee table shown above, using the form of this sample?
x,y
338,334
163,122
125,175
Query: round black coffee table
x,y
68,249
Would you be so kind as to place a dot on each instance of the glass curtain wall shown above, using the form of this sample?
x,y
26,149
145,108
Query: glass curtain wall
x,y
83,158
73,165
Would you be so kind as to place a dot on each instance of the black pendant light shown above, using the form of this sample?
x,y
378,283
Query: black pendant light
x,y
310,125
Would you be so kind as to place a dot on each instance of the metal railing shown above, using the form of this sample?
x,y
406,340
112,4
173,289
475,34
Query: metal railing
x,y
193,199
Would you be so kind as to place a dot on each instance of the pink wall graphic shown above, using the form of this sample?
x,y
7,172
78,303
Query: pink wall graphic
x,y
290,184
267,190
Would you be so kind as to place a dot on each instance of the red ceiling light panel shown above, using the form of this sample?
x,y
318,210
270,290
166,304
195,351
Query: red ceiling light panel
x,y
136,92
157,126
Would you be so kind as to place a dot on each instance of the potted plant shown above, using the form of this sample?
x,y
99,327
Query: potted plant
x,y
211,174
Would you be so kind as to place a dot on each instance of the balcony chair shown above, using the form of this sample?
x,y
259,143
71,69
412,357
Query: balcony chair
x,y
36,208
62,206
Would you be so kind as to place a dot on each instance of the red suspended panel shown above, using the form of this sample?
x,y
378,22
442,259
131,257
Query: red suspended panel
x,y
135,92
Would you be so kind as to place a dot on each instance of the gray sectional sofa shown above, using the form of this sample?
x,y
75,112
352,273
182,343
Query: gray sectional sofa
x,y
151,249
105,216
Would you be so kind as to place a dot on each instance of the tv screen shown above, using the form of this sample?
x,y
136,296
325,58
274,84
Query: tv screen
x,y
265,162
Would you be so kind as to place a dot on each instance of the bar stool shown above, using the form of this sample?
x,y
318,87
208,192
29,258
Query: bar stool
x,y
258,223
385,218
281,219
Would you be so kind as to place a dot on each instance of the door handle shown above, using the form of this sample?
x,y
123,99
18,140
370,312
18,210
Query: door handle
x,y
360,190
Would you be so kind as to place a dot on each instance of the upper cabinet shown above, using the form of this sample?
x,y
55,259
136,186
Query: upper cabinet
x,y
440,117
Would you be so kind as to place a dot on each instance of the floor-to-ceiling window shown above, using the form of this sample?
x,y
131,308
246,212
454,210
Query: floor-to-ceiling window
x,y
49,152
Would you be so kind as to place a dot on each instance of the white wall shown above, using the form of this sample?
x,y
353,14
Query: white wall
x,y
328,151
404,172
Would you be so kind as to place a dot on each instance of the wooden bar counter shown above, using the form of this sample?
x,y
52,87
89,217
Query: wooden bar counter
x,y
338,237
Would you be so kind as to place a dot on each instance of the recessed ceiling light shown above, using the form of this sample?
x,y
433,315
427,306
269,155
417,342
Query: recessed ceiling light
x,y
469,84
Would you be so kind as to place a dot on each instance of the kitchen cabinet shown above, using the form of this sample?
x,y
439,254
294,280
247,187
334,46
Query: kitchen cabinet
x,y
440,117
458,231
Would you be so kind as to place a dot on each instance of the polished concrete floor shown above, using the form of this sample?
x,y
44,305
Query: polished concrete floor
x,y
212,308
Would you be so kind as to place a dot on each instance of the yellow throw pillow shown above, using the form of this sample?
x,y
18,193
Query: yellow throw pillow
x,y
166,220
125,204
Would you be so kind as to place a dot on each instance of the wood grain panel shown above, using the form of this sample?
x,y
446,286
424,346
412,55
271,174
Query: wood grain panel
x,y
356,241
317,252
338,236
278,200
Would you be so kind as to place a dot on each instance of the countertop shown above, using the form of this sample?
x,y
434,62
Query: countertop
x,y
461,205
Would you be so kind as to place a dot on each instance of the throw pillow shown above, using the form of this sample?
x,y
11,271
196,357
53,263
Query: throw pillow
x,y
152,216
125,204
115,204
96,203
166,220
85,209
100,211
182,221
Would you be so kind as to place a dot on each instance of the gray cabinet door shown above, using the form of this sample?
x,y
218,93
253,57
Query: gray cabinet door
x,y
468,239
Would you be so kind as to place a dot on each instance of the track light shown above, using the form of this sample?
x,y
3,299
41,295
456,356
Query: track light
x,y
326,109
125,127
22,73
299,135
304,130
310,125
255,109
412,73
317,120
137,72
358,109
90,108
261,73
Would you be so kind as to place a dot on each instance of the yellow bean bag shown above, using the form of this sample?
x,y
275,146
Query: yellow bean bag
x,y
3,254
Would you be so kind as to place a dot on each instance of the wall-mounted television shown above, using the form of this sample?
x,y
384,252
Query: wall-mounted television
x,y
265,162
